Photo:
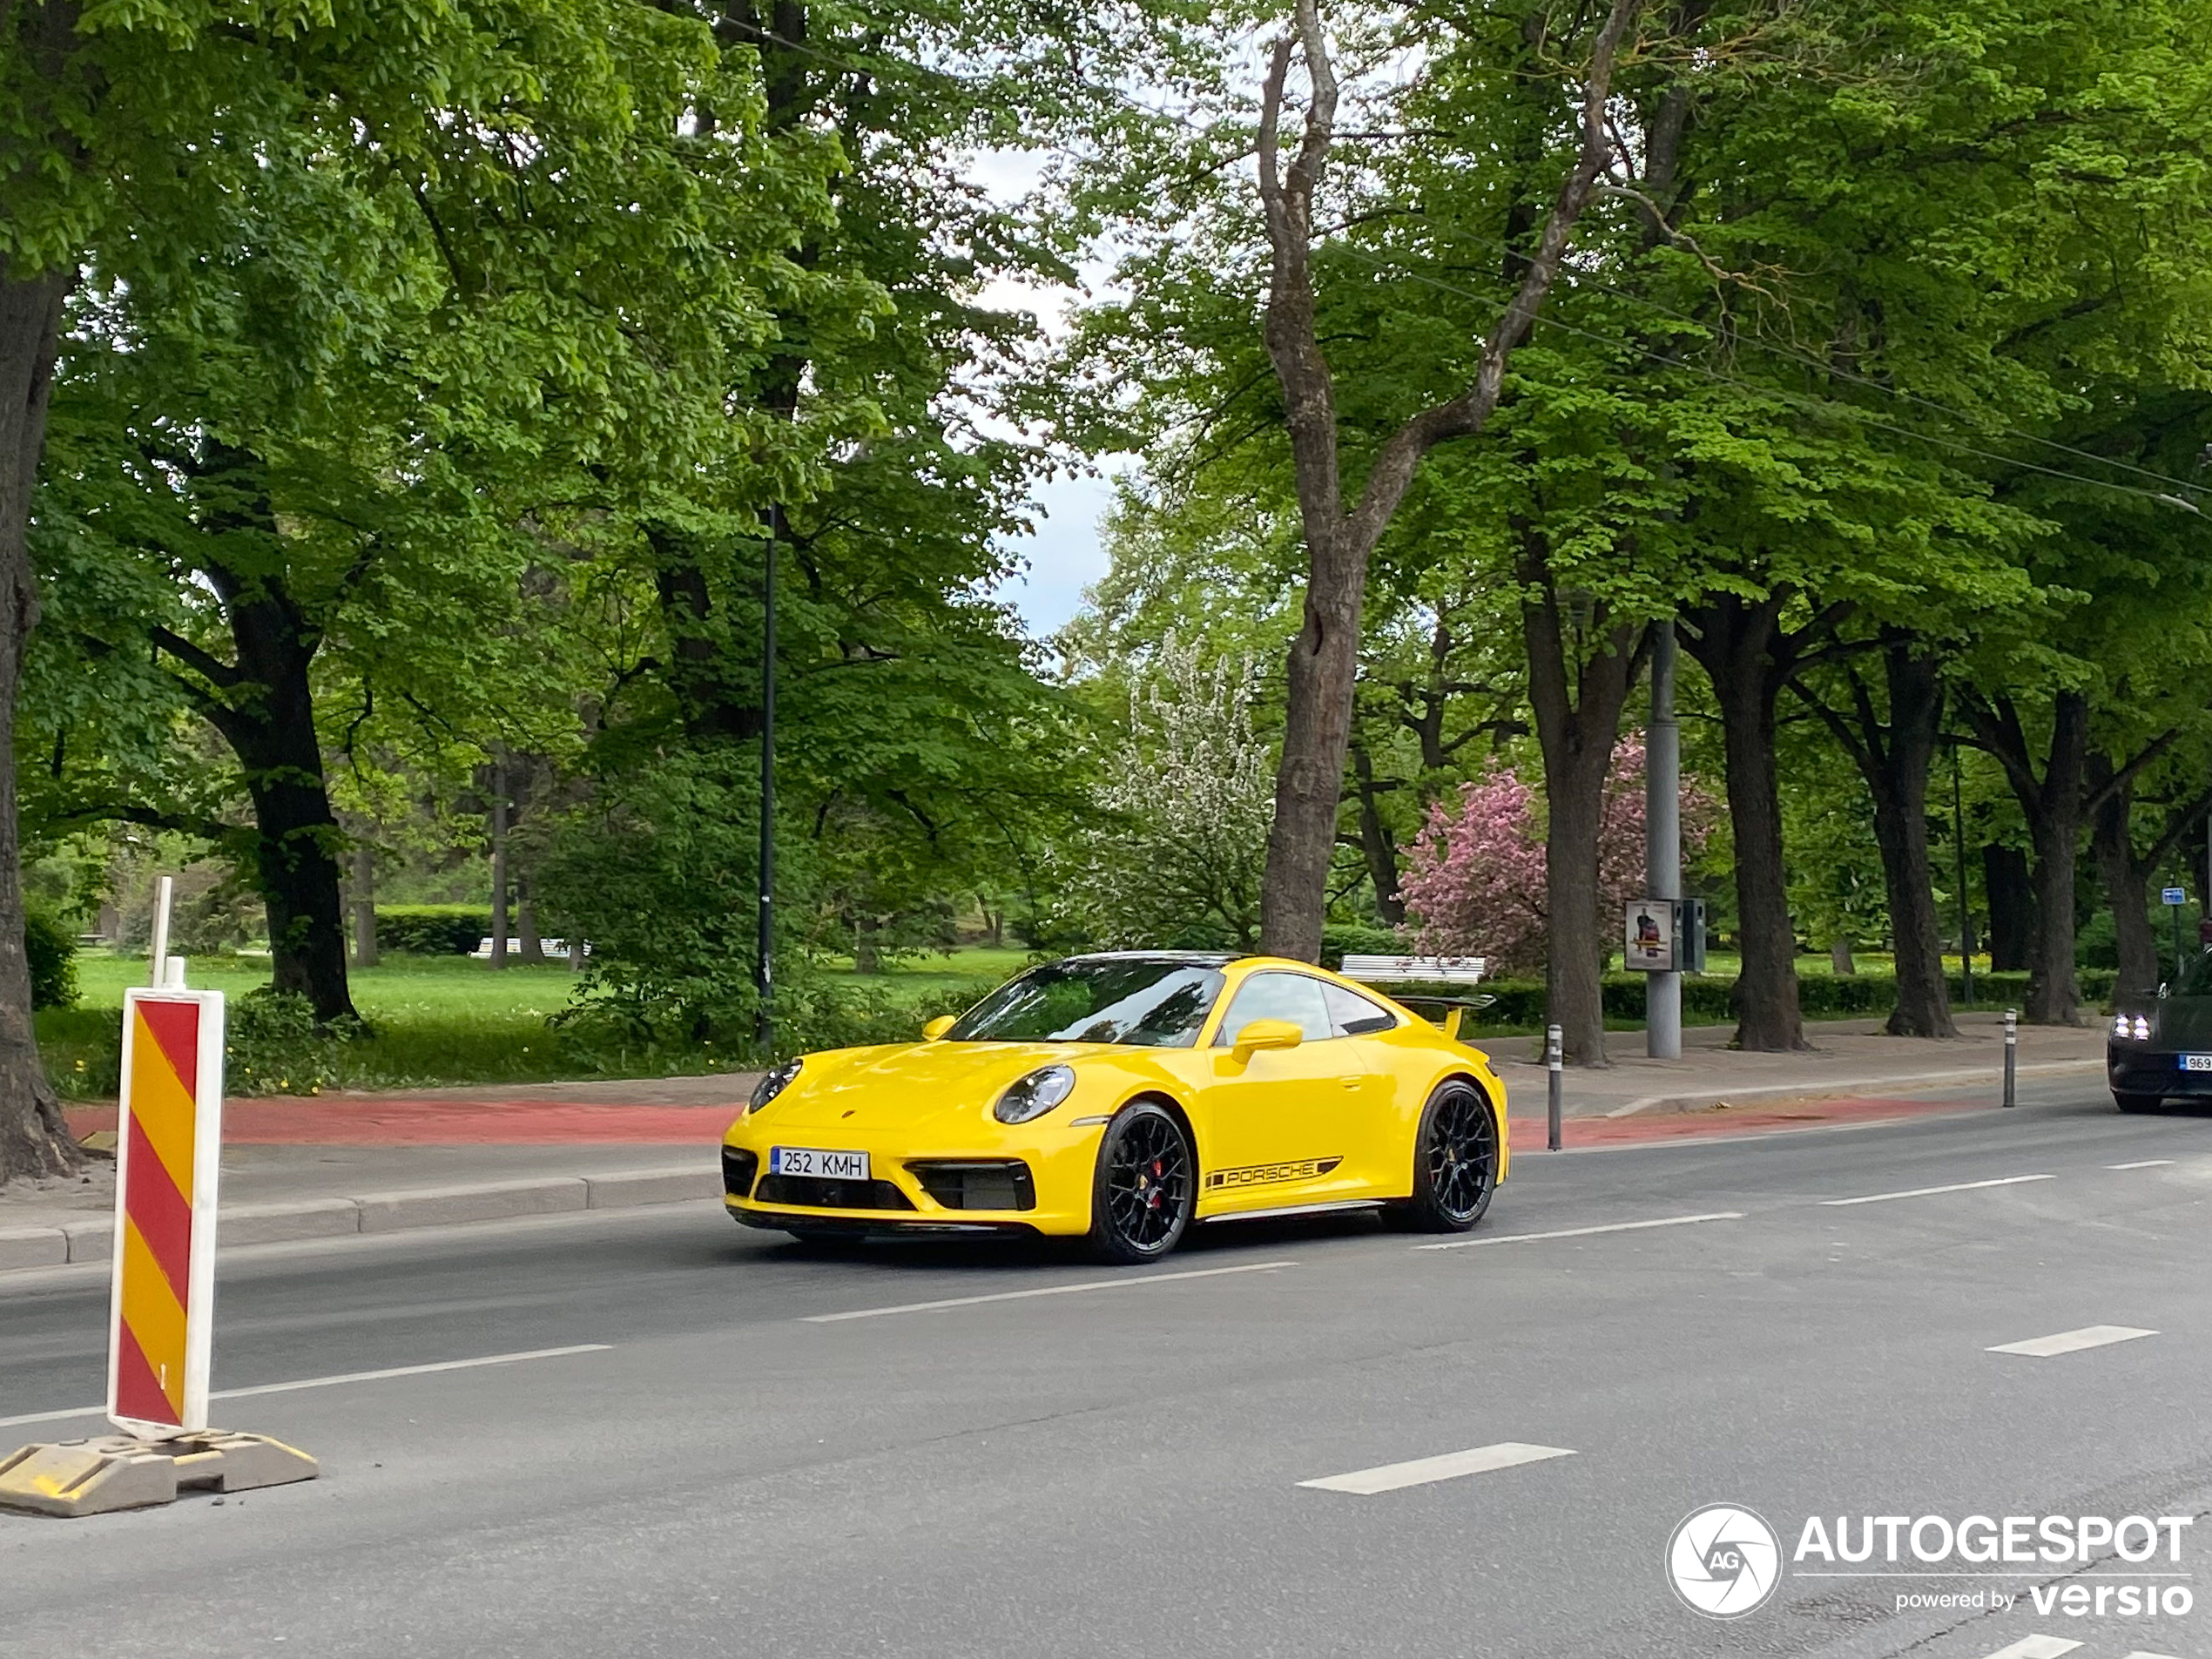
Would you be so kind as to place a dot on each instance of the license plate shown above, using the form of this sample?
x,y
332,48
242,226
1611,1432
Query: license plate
x,y
827,1166
2196,1062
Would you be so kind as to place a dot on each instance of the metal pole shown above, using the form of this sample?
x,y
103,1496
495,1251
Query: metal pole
x,y
164,891
1554,1043
765,946
1966,910
2012,1053
1663,841
2177,909
499,856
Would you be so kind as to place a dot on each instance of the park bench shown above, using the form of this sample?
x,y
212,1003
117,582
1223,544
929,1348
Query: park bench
x,y
551,948
1447,1011
1382,971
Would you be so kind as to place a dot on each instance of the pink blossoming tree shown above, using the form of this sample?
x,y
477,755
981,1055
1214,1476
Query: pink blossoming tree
x,y
1475,883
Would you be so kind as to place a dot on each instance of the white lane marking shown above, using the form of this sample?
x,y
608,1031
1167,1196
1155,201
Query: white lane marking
x,y
2140,1654
2144,1163
2090,1336
1584,1232
332,1382
1045,1290
1927,1192
1389,1477
2036,1647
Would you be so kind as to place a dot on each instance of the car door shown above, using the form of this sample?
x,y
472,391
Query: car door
x,y
1378,1144
1276,1129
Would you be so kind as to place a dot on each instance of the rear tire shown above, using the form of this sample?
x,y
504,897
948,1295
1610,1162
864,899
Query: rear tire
x,y
1455,1160
1145,1188
2138,1103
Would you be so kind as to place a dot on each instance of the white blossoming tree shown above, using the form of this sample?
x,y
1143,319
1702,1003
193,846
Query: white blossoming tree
x,y
1176,853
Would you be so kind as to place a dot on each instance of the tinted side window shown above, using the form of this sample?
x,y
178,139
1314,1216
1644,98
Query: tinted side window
x,y
1353,1015
1278,996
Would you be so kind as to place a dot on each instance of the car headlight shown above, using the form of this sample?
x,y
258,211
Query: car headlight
x,y
2125,1026
1034,1095
2120,1026
772,1084
2142,1030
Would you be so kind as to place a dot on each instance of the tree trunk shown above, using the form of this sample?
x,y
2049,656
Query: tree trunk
x,y
1737,643
531,949
1839,962
2012,907
1377,844
1324,661
364,904
499,860
1895,756
1578,707
34,1140
297,834
2126,889
2055,805
867,956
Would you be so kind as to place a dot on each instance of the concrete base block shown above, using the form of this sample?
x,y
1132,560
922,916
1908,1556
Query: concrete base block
x,y
435,1206
91,1241
32,1247
117,1472
273,1223
653,1186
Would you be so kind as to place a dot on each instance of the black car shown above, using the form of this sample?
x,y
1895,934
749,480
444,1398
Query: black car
x,y
2160,1045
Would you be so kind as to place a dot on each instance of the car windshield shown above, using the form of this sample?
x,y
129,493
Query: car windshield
x,y
1149,1004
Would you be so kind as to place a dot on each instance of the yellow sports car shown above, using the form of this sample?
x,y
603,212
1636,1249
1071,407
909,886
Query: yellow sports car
x,y
1125,1097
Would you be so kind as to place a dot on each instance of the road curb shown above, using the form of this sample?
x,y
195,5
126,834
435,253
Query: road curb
x,y
91,1238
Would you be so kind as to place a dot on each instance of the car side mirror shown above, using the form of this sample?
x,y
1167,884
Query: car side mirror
x,y
937,1027
1266,1034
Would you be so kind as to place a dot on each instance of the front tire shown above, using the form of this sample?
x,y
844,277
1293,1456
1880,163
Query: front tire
x,y
1145,1188
2137,1102
1455,1159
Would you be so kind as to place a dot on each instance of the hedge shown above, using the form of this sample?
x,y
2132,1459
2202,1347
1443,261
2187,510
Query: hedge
x,y
432,929
1705,1001
53,950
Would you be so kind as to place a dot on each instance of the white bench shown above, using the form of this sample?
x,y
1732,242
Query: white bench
x,y
1458,970
551,948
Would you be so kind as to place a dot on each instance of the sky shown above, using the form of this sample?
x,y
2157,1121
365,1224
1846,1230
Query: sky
x,y
1063,556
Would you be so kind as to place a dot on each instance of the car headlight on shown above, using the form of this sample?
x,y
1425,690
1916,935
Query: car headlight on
x,y
2120,1026
2125,1026
772,1084
1034,1095
2142,1030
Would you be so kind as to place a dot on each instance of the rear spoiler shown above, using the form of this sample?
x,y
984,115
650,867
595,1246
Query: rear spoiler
x,y
1453,1009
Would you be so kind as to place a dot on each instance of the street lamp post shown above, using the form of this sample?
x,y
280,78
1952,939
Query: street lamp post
x,y
1663,841
764,947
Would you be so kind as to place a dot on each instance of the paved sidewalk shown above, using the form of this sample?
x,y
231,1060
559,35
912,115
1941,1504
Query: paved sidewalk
x,y
1848,1058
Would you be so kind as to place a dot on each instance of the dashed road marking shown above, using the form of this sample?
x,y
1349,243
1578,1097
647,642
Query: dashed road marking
x,y
1390,1477
2036,1647
2140,1654
2090,1336
333,1382
2144,1163
1929,1192
1042,1290
1584,1232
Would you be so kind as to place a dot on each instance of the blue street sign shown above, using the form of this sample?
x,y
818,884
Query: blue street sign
x,y
2175,895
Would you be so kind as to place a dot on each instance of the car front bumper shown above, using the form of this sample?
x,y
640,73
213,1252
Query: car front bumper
x,y
2131,1069
1027,1183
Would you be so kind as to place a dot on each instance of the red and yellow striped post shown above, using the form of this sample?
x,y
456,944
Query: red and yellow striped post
x,y
169,1153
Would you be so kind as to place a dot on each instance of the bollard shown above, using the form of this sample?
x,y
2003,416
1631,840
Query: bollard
x,y
2012,1048
1553,1043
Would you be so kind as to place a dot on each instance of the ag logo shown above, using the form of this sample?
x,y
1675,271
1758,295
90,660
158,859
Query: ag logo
x,y
1723,1561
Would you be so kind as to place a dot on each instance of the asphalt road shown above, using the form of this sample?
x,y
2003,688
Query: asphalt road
x,y
1118,1471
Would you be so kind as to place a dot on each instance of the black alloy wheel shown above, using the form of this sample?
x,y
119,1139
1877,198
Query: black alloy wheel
x,y
1145,1188
1455,1159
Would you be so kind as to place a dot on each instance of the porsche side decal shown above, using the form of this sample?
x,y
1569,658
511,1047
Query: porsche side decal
x,y
1262,1174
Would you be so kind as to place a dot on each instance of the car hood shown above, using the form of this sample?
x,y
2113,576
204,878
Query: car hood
x,y
912,1083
